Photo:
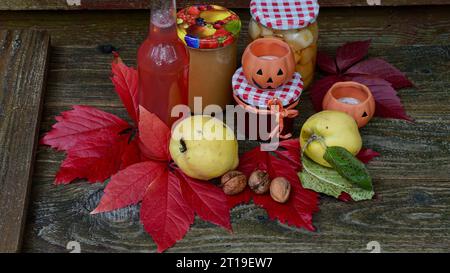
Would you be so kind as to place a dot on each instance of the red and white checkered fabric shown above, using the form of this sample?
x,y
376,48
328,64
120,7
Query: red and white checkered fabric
x,y
284,14
287,94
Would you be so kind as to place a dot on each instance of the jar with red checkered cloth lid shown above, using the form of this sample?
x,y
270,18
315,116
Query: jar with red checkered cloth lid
x,y
295,22
277,106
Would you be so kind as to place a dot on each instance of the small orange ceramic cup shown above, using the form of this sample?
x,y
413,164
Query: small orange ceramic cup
x,y
352,98
268,63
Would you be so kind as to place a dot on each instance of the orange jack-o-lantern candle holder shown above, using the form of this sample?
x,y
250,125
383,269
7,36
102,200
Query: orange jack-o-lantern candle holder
x,y
268,63
352,98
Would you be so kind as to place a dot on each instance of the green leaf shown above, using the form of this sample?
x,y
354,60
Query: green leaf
x,y
348,166
328,181
234,27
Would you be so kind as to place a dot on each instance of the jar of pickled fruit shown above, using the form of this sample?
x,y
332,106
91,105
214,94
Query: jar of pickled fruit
x,y
293,21
210,33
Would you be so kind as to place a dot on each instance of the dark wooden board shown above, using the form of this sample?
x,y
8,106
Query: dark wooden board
x,y
386,26
23,66
411,178
144,4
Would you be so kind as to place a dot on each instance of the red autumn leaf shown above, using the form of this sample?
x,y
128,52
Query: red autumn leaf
x,y
165,214
208,201
302,204
94,160
320,89
367,155
388,104
132,154
94,141
154,136
381,69
81,125
128,186
326,63
351,53
289,151
239,199
125,80
345,197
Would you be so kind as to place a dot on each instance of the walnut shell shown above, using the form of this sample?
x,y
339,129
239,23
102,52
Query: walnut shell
x,y
259,182
233,182
280,189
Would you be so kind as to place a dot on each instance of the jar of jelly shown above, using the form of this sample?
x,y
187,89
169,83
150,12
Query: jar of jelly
x,y
274,109
293,21
210,32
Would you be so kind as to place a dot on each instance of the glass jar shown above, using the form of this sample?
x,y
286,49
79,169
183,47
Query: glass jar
x,y
293,21
210,32
265,115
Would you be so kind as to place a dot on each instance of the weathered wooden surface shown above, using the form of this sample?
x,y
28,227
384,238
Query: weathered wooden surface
x,y
143,4
23,64
412,177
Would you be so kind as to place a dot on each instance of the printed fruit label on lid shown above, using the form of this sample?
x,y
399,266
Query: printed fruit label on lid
x,y
208,26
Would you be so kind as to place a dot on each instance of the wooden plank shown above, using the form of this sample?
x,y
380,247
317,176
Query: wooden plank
x,y
411,178
144,4
404,25
23,64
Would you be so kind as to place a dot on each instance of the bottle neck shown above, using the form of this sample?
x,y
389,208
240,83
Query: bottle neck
x,y
163,18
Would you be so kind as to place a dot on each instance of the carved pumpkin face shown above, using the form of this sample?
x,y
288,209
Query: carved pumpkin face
x,y
352,98
268,63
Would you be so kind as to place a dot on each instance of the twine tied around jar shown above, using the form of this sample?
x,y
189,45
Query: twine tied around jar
x,y
276,107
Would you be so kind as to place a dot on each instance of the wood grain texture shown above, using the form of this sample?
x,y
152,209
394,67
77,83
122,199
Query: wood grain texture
x,y
23,64
386,26
412,177
144,4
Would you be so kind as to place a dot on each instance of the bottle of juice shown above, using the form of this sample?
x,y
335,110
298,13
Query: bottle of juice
x,y
163,64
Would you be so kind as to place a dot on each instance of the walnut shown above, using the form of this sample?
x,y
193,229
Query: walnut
x,y
280,189
233,182
259,182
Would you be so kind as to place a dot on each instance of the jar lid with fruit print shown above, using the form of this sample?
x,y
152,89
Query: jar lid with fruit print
x,y
284,14
208,26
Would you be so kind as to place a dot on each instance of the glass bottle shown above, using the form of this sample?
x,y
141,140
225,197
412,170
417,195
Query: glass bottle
x,y
163,63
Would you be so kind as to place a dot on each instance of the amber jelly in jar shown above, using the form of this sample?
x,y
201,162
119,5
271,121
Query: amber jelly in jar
x,y
210,33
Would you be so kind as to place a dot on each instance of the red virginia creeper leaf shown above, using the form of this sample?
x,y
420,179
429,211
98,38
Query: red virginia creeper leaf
x,y
345,197
208,201
289,150
320,89
381,69
94,160
302,204
367,155
154,135
165,214
326,63
239,199
125,80
388,104
80,125
351,53
128,186
132,154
